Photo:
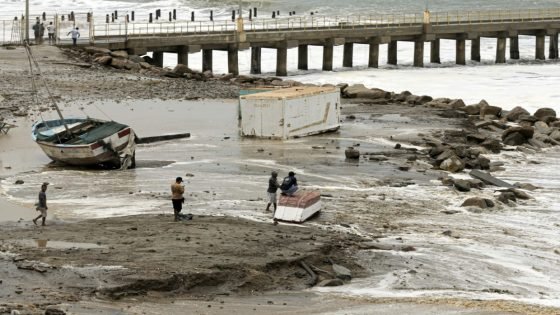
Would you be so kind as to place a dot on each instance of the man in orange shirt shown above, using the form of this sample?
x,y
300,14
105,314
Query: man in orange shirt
x,y
177,191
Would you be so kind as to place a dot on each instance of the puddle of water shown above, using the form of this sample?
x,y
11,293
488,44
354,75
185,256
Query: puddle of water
x,y
41,243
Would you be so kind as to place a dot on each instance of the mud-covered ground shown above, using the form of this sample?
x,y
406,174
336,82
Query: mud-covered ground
x,y
69,78
147,263
152,256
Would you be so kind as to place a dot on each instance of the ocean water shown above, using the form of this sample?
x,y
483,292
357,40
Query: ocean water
x,y
508,253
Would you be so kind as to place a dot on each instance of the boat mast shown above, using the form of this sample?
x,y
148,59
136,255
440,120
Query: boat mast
x,y
33,61
27,20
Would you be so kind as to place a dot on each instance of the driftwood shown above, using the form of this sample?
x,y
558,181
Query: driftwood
x,y
489,179
314,278
162,138
316,269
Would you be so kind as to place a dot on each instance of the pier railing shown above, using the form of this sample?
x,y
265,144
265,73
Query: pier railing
x,y
12,31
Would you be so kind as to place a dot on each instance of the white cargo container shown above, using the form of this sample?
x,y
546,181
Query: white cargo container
x,y
290,112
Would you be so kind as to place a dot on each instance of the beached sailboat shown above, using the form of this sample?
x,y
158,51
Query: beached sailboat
x,y
82,141
86,142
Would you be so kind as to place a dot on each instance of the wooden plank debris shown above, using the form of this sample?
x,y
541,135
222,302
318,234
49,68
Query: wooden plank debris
x,y
145,140
489,179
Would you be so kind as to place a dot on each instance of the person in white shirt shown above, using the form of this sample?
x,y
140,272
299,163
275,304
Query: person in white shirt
x,y
50,30
75,35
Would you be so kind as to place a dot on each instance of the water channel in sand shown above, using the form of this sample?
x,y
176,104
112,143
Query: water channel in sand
x,y
503,254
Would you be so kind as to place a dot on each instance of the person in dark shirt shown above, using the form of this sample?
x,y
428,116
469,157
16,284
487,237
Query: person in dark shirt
x,y
271,191
289,184
42,205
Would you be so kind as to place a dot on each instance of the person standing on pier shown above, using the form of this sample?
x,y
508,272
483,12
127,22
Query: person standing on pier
x,y
50,30
37,32
75,35
42,204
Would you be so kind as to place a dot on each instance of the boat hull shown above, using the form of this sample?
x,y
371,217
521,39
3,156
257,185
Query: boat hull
x,y
299,207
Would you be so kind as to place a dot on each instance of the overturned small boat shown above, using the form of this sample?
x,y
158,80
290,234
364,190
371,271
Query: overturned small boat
x,y
86,142
298,207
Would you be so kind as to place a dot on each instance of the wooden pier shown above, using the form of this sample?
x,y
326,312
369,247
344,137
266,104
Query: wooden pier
x,y
185,38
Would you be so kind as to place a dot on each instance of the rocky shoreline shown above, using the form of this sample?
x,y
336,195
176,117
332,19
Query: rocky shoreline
x,y
246,257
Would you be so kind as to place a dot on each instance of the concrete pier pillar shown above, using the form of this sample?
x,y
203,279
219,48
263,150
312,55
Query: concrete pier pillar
x,y
419,54
460,51
373,60
233,60
255,60
158,58
392,53
302,57
475,49
328,49
501,50
514,47
434,51
348,54
183,55
206,60
539,49
282,61
553,47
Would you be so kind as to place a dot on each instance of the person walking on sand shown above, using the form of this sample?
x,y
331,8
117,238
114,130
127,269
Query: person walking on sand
x,y
177,191
42,205
50,30
271,191
75,35
289,184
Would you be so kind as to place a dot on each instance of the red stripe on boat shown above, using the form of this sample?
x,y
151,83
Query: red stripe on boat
x,y
95,145
125,132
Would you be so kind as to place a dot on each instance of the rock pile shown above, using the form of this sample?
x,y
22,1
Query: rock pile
x,y
144,65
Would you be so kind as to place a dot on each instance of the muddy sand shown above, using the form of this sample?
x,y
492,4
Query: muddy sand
x,y
148,264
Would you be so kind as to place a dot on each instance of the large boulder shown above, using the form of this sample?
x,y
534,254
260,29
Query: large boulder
x,y
515,138
555,135
490,111
526,132
520,194
181,69
145,65
543,113
103,60
342,272
97,50
507,196
372,94
542,127
118,63
493,145
401,97
453,164
119,54
462,185
132,66
471,109
352,153
456,104
482,203
135,58
353,90
516,112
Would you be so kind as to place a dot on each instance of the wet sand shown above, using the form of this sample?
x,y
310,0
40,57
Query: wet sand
x,y
367,202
